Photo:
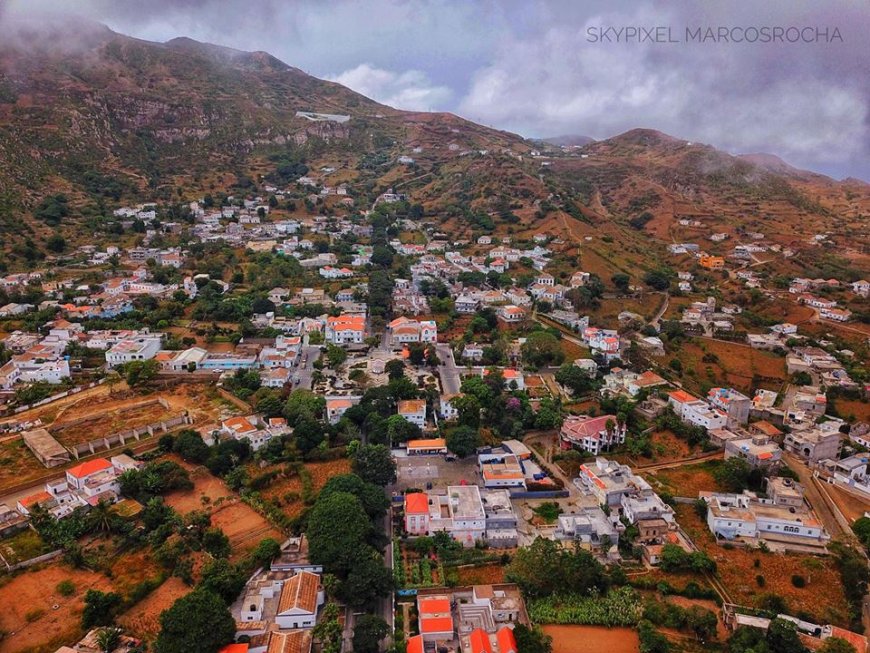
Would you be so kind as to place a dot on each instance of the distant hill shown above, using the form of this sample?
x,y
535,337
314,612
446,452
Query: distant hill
x,y
107,119
569,140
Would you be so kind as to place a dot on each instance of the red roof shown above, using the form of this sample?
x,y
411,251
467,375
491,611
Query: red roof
x,y
39,497
90,467
479,641
234,648
415,644
437,625
507,643
681,396
417,503
433,606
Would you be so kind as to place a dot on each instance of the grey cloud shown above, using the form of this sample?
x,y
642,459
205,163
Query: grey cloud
x,y
526,65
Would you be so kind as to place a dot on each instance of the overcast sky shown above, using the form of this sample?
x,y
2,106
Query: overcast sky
x,y
532,67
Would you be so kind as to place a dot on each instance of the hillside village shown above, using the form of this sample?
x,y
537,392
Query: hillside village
x,y
475,380
399,383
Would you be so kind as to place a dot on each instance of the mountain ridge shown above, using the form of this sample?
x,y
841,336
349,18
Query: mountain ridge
x,y
112,118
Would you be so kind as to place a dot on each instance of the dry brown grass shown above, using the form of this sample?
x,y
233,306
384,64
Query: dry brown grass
x,y
34,592
822,597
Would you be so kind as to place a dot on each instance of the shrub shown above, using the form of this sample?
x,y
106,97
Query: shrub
x,y
66,588
760,580
33,615
798,581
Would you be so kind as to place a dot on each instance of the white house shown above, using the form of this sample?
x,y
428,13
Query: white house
x,y
133,349
300,598
413,410
591,434
345,329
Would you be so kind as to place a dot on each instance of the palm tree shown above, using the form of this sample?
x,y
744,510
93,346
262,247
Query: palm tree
x,y
101,517
108,639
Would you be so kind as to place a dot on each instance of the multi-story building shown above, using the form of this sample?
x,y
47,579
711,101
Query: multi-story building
x,y
141,348
413,410
591,434
734,404
814,444
403,330
758,450
731,516
591,527
345,329
459,513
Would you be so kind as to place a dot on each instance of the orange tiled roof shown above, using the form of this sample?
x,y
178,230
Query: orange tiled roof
x,y
431,443
415,644
479,641
416,503
90,467
436,625
434,606
507,643
300,592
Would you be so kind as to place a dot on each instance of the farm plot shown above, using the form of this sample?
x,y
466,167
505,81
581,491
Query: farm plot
x,y
17,464
415,570
686,480
143,620
713,362
289,490
242,524
592,639
36,616
23,546
107,416
822,596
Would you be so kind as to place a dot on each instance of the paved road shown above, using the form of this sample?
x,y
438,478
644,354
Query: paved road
x,y
662,310
827,511
384,607
451,380
305,372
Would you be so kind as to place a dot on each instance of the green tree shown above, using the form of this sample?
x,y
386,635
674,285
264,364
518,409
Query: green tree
x,y
401,430
199,622
303,403
222,578
733,475
651,640
416,353
463,440
575,379
368,632
546,568
782,637
395,369
542,348
367,580
621,281
701,622
371,496
335,356
138,373
374,464
337,527
215,542
836,645
267,550
100,608
189,445
468,408
532,640
108,639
